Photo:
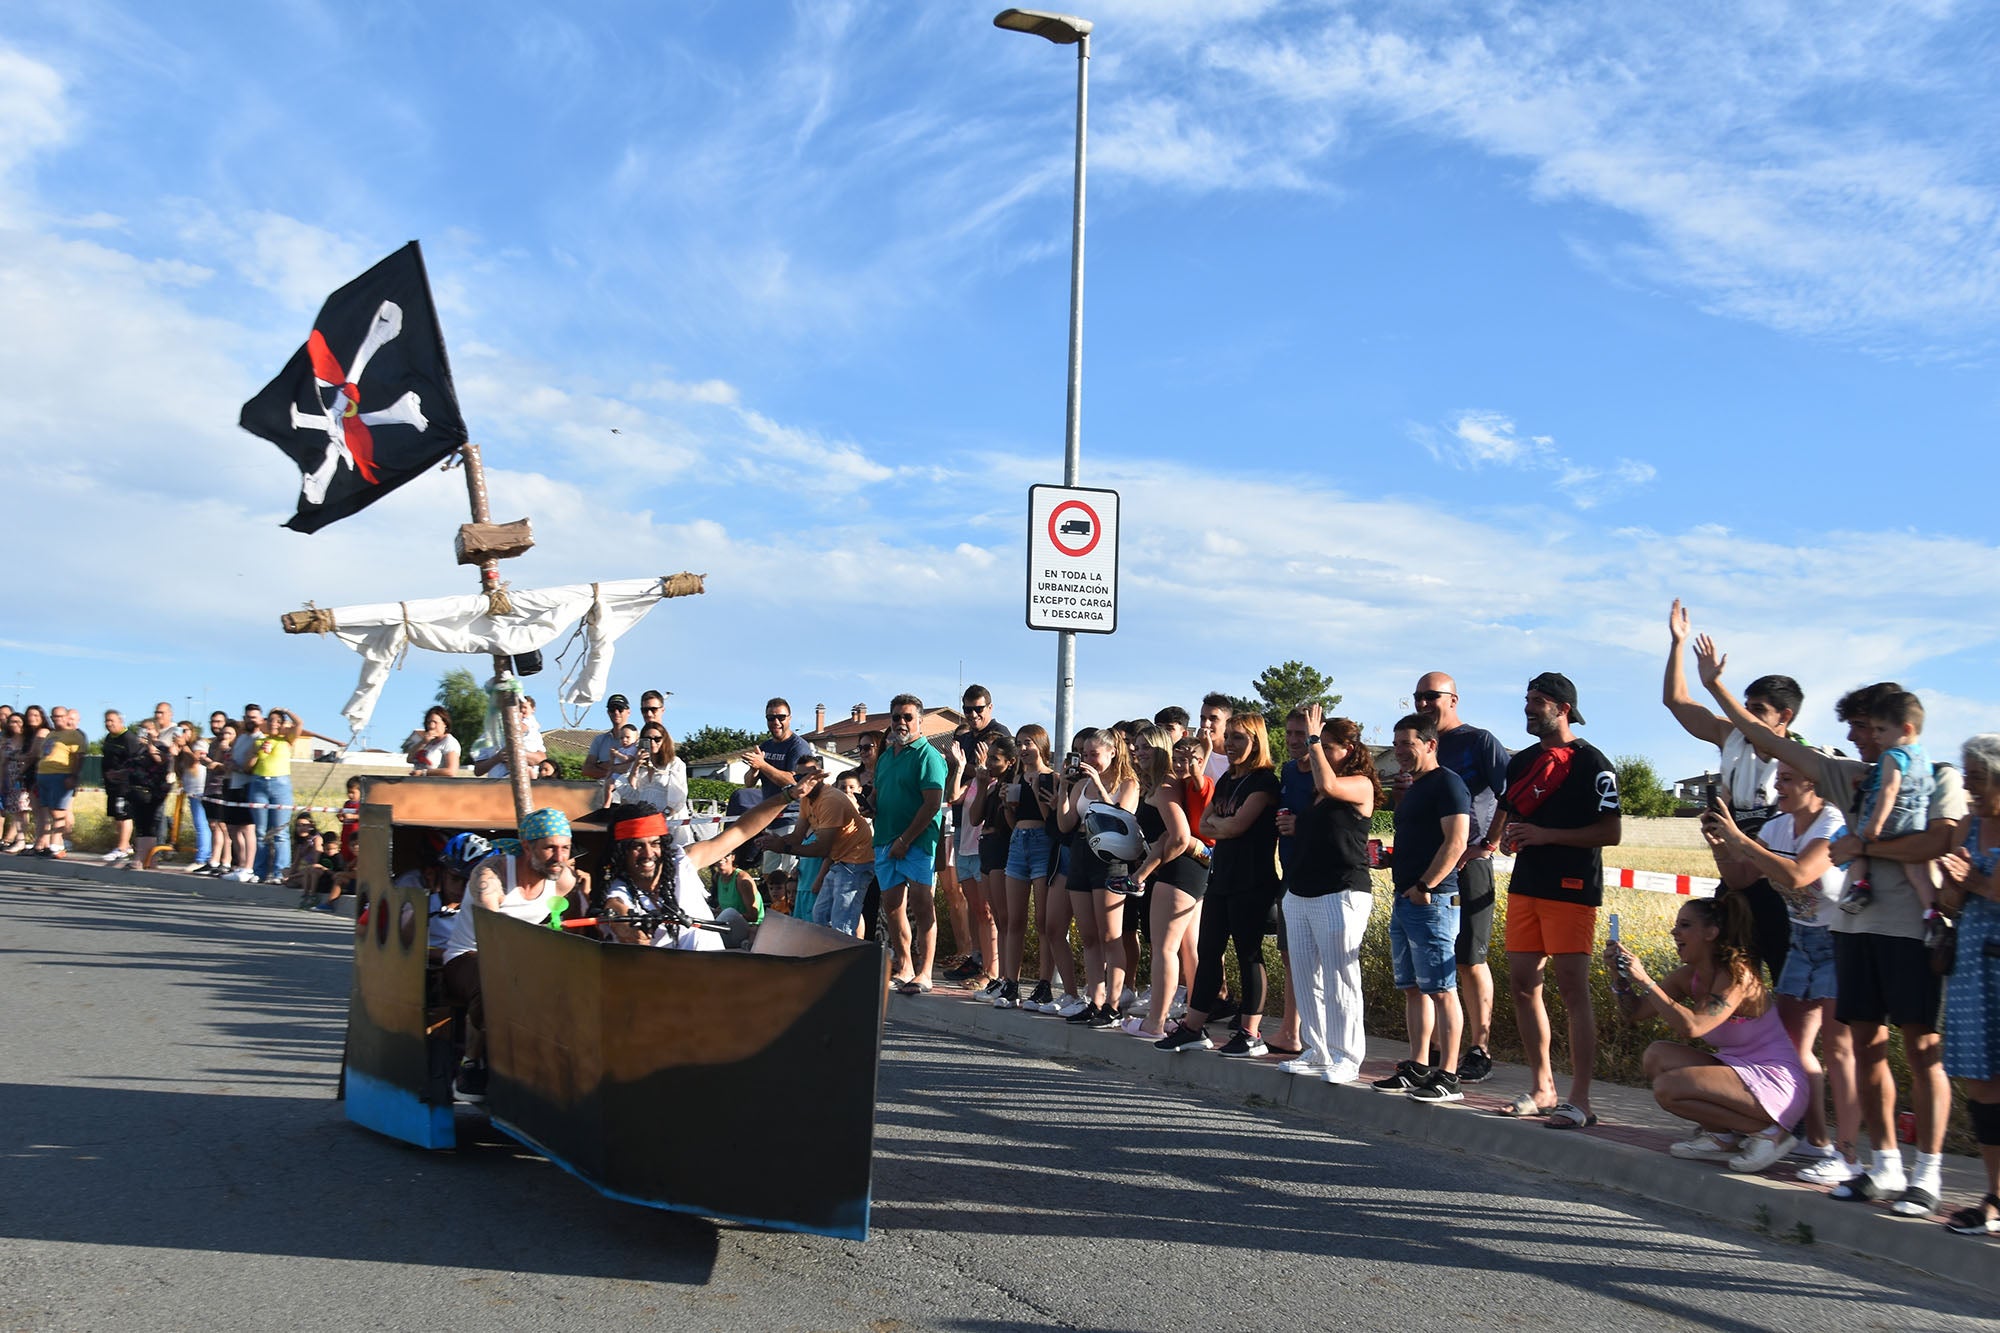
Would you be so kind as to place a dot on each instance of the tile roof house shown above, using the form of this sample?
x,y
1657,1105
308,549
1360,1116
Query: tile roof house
x,y
843,736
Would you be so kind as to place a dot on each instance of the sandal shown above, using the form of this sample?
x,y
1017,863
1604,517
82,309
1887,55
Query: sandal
x,y
1565,1116
1525,1107
913,987
1284,1052
1981,1219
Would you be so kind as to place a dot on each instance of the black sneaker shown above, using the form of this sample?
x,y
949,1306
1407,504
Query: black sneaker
x,y
1409,1074
1042,999
968,967
1103,1018
1476,1067
1087,1014
1183,1038
471,1085
1243,1045
1440,1086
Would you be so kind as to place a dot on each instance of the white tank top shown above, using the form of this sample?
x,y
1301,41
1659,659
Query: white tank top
x,y
512,902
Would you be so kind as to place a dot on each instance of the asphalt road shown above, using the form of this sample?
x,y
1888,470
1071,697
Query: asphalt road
x,y
174,1159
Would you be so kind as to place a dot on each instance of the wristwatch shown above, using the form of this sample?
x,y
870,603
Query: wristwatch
x,y
1314,740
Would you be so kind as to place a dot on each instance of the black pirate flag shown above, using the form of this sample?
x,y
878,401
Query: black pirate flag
x,y
367,403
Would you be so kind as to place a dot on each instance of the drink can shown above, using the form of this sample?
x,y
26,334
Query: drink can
x,y
1375,852
1906,1127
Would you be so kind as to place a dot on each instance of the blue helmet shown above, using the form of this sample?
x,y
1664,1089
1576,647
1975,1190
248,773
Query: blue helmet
x,y
463,852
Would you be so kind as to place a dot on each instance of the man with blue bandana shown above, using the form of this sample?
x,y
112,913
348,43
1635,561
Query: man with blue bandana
x,y
524,885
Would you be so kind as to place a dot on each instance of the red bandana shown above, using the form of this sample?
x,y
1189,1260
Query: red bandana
x,y
645,826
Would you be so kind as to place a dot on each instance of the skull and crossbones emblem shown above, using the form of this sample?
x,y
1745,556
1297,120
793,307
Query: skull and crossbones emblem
x,y
340,416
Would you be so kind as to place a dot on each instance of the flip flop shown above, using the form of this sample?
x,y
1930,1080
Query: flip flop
x,y
1564,1116
913,987
1285,1052
1524,1107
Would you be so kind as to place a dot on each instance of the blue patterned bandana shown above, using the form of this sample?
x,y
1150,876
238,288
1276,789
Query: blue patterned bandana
x,y
547,822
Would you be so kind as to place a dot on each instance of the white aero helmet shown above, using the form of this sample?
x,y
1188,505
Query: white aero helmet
x,y
1114,834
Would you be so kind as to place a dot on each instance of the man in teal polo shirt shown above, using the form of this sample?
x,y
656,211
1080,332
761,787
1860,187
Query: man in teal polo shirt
x,y
909,795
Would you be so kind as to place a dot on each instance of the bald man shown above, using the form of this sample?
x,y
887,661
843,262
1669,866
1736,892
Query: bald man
x,y
1480,761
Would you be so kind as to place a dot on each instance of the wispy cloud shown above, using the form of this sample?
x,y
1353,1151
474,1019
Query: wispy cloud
x,y
1479,439
1813,167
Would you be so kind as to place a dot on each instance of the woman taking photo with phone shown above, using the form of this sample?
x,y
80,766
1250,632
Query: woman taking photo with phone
x,y
1745,1095
1103,775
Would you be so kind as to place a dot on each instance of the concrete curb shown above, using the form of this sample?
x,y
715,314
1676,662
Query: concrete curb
x,y
1773,1208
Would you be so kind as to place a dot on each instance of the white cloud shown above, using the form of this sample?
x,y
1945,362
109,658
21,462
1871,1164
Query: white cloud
x,y
1479,438
1765,151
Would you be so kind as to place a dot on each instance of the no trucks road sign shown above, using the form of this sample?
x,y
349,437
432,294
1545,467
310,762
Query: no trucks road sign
x,y
1072,559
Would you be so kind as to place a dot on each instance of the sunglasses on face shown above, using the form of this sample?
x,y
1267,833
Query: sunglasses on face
x,y
777,717
650,708
979,708
1426,696
905,717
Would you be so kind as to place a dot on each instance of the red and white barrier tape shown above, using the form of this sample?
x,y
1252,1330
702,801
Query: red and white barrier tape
x,y
1646,881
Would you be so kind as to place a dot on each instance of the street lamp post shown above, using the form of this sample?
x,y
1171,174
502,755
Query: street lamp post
x,y
1067,30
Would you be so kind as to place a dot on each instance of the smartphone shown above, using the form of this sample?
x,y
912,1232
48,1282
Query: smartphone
x,y
1612,934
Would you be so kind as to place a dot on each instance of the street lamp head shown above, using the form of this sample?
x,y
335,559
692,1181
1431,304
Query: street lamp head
x,y
1062,29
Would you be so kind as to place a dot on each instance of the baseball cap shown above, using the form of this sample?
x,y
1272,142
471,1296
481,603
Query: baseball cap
x,y
618,701
1554,685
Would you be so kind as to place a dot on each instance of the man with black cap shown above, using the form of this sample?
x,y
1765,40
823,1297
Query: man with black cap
x,y
604,747
1561,810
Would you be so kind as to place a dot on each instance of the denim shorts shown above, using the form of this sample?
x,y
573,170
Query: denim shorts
x,y
1423,943
1808,973
1028,854
54,790
967,865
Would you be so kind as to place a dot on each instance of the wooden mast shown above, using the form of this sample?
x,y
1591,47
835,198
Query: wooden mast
x,y
503,665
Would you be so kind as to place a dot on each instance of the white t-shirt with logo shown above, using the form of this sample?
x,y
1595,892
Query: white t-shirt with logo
x,y
1779,837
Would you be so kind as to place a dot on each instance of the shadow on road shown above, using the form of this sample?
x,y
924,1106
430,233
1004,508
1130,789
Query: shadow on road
x,y
1071,1153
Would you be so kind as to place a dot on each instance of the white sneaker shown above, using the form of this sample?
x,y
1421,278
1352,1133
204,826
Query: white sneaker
x,y
241,877
1340,1074
1707,1147
1762,1152
1305,1062
1807,1151
1071,1006
1834,1170
114,855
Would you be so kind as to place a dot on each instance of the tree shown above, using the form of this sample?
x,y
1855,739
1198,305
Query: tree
x,y
1639,790
461,695
1291,685
713,740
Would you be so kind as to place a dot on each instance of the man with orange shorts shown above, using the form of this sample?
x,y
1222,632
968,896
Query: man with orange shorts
x,y
1561,810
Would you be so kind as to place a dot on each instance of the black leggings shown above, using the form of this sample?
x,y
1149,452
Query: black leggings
x,y
1237,915
1771,924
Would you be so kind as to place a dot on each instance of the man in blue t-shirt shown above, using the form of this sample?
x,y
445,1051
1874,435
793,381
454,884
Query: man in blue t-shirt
x,y
1480,761
774,761
1432,821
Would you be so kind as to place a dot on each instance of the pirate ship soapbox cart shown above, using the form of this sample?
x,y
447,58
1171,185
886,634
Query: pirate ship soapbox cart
x,y
619,1062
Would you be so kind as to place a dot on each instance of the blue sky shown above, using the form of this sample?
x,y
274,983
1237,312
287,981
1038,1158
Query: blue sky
x,y
1434,336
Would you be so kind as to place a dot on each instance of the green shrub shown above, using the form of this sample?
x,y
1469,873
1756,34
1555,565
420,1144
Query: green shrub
x,y
710,789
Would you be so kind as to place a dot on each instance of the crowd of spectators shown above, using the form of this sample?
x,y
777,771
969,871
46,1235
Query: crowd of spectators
x,y
1857,894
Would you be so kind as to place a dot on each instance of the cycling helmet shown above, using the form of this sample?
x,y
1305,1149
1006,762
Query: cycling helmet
x,y
463,852
1114,835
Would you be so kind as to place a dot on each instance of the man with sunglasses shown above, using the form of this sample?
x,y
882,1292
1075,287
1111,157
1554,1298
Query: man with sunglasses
x,y
909,801
964,756
775,761
1480,761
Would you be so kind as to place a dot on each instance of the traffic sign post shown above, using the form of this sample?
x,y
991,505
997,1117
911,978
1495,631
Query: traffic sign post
x,y
1073,559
